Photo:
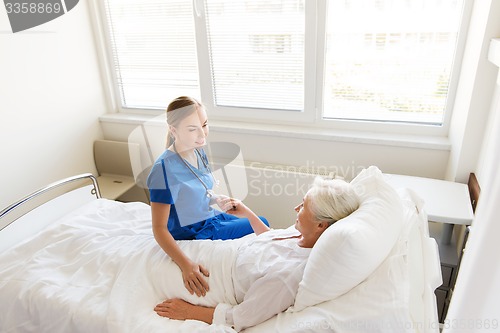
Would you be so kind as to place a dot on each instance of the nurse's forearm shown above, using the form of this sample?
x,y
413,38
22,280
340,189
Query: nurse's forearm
x,y
192,273
160,214
170,246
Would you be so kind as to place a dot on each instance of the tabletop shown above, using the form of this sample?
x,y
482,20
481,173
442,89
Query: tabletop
x,y
444,201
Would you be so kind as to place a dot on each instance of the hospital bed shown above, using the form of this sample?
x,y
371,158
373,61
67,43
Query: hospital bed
x,y
80,263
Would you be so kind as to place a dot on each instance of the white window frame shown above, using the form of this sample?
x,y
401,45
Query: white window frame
x,y
391,127
311,116
258,114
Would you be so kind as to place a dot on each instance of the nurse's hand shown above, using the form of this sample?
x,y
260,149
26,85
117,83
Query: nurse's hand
x,y
193,275
238,208
224,202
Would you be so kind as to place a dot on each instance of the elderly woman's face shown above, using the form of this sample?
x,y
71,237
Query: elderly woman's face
x,y
305,222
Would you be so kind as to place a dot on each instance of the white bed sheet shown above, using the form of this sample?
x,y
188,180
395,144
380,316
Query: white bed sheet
x,y
100,270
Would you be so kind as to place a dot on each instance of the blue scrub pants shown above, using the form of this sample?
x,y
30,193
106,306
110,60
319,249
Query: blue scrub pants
x,y
226,226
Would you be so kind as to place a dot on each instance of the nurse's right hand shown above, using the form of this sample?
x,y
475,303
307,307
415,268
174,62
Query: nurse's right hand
x,y
194,275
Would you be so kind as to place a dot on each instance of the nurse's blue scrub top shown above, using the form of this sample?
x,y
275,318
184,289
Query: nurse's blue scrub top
x,y
171,182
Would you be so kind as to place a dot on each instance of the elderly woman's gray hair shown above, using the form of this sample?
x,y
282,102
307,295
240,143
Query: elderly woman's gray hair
x,y
332,199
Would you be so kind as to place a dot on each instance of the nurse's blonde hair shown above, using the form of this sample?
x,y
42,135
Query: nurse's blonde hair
x,y
332,199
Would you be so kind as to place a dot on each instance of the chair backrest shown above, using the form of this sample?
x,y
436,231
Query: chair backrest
x,y
114,157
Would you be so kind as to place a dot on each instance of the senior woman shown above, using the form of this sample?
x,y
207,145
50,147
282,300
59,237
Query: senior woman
x,y
269,268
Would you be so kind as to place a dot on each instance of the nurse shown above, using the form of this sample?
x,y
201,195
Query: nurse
x,y
181,193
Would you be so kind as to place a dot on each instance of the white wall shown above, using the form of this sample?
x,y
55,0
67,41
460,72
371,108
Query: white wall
x,y
345,158
475,91
489,159
475,305
50,100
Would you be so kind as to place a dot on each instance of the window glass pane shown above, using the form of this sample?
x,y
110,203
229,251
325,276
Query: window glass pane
x,y
154,50
390,60
257,53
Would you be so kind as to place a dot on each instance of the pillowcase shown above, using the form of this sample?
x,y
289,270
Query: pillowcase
x,y
352,248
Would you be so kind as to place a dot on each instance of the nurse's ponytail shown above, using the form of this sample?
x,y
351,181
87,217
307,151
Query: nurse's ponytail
x,y
177,110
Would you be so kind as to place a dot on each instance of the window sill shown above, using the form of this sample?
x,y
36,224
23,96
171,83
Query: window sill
x,y
288,131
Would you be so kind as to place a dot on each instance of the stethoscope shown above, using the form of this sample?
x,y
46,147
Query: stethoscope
x,y
208,192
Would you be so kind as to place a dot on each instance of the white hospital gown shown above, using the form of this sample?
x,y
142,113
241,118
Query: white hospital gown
x,y
267,274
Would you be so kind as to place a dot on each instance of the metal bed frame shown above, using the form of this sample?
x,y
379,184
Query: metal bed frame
x,y
94,191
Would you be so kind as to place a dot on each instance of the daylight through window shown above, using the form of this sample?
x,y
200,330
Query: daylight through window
x,y
381,60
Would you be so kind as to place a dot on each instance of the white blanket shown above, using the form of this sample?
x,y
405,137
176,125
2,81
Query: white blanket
x,y
100,270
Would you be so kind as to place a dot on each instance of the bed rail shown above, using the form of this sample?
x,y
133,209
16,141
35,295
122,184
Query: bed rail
x,y
95,191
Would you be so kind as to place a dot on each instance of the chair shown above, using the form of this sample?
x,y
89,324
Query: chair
x,y
114,166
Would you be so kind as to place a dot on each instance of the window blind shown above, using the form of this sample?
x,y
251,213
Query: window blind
x,y
154,51
257,53
390,60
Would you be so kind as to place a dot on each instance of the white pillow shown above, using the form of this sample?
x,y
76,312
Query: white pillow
x,y
352,248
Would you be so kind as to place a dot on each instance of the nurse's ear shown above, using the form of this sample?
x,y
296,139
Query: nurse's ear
x,y
172,130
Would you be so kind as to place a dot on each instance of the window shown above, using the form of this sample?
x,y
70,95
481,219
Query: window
x,y
390,60
154,51
384,61
256,53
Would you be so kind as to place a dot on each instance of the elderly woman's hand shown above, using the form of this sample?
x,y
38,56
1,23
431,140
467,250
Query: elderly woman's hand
x,y
175,309
182,310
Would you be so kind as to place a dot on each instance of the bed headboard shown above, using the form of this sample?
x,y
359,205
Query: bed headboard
x,y
474,190
44,206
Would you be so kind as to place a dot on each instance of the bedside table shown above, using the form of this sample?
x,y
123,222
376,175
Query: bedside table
x,y
113,161
113,186
446,204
